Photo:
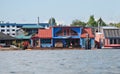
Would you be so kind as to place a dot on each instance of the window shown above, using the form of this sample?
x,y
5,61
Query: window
x,y
8,30
19,26
64,32
114,41
13,29
45,40
13,34
8,26
73,32
13,26
2,30
59,33
2,26
110,41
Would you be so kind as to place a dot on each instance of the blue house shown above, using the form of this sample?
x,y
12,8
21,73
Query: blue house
x,y
66,36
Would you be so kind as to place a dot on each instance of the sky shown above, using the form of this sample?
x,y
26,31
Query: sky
x,y
64,11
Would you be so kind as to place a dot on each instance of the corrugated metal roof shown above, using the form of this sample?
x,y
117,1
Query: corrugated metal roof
x,y
23,37
109,27
45,33
111,33
16,24
32,26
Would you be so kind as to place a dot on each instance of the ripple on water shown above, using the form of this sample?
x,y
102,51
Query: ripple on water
x,y
21,72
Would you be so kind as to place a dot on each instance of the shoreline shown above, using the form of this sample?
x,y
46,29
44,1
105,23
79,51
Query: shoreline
x,y
16,49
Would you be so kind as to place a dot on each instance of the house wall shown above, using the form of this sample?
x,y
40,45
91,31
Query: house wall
x,y
68,34
106,42
55,30
45,42
99,38
76,29
112,41
92,42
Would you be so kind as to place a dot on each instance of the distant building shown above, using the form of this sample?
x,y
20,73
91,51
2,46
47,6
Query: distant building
x,y
12,28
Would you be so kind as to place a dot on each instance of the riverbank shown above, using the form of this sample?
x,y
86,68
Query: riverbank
x,y
10,49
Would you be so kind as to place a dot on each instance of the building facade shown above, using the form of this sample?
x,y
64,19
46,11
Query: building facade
x,y
62,36
12,28
108,37
87,38
66,36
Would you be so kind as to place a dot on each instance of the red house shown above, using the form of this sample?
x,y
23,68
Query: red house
x,y
43,38
87,32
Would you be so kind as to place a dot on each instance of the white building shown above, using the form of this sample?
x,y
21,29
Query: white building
x,y
11,28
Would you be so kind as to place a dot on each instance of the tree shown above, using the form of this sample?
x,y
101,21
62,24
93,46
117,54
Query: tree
x,y
52,22
101,22
78,23
111,24
115,24
91,21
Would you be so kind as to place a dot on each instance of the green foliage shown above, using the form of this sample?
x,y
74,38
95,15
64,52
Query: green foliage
x,y
52,21
91,21
118,25
112,24
101,22
78,23
115,24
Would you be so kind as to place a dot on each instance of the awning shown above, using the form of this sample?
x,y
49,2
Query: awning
x,y
6,37
23,37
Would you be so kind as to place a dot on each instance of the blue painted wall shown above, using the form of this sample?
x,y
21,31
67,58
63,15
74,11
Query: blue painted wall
x,y
82,42
76,29
92,41
45,43
56,29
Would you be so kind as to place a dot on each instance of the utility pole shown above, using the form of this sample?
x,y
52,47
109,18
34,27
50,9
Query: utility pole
x,y
98,26
38,21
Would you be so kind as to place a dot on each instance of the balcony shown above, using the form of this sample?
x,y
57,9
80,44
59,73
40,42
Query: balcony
x,y
72,34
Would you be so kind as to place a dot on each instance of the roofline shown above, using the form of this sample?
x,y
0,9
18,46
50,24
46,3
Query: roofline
x,y
69,26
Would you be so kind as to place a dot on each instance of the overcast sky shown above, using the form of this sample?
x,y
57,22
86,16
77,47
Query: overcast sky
x,y
64,11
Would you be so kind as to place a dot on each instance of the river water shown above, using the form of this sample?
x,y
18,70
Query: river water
x,y
60,62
